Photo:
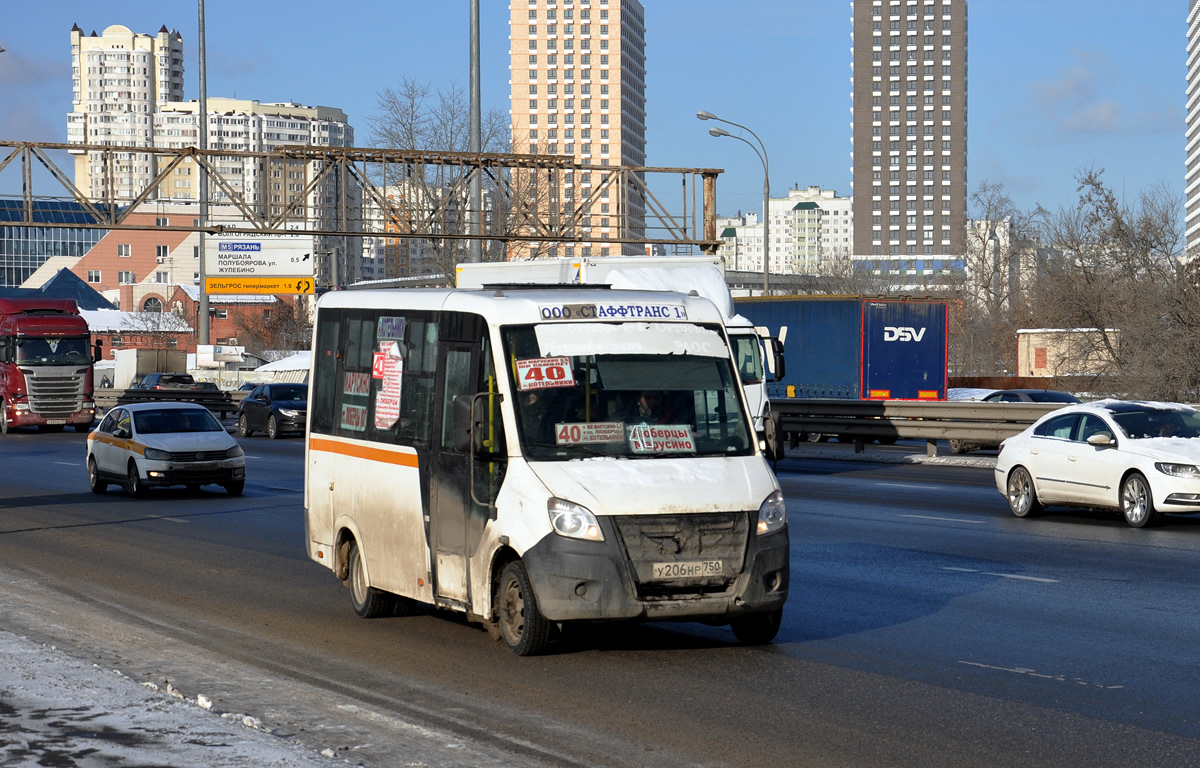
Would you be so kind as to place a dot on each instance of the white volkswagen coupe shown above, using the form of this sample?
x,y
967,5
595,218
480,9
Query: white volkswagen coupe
x,y
1142,458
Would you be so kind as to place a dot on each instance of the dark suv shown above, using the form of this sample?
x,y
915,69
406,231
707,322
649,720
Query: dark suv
x,y
274,409
167,381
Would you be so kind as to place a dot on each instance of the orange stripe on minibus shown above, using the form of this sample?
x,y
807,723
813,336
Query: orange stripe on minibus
x,y
363,452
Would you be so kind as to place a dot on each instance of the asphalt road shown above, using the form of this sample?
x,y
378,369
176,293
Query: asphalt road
x,y
926,627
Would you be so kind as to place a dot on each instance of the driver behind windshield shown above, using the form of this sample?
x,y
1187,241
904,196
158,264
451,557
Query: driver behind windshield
x,y
50,351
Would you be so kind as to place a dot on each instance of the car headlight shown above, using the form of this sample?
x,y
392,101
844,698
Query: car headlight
x,y
291,414
573,521
154,454
1178,470
772,515
233,452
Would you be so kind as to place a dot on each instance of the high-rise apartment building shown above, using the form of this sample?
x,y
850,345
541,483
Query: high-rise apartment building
x,y
120,79
128,91
910,138
1192,173
578,83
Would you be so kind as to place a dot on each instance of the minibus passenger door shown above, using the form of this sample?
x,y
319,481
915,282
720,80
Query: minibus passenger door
x,y
451,497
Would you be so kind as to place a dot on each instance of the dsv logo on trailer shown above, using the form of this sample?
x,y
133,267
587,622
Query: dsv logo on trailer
x,y
902,333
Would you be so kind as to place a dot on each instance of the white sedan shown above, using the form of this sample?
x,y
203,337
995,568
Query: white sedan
x,y
160,444
1142,458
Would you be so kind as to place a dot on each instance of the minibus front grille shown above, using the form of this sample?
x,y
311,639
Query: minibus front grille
x,y
656,539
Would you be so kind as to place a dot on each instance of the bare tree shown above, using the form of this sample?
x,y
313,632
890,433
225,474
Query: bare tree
x,y
155,330
416,117
282,327
1000,266
841,274
1121,269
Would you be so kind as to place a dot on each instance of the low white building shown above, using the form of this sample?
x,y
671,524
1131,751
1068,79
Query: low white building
x,y
810,230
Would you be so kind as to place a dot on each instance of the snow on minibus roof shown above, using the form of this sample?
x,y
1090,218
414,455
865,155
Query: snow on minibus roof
x,y
526,305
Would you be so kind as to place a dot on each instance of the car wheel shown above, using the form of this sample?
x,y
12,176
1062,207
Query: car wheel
x,y
244,426
235,488
956,446
369,602
94,482
272,427
3,419
1137,503
757,628
134,484
524,629
1022,496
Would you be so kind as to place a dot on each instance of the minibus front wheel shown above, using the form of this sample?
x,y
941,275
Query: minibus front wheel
x,y
757,628
525,630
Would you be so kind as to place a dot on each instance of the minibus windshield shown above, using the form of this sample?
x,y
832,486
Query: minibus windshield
x,y
633,390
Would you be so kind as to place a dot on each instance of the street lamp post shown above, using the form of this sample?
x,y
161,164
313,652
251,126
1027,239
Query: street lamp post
x,y
762,156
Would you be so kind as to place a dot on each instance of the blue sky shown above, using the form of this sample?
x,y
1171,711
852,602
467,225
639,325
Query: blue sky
x,y
1055,86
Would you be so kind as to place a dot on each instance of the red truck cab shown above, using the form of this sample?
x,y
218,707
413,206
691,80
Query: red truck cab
x,y
45,365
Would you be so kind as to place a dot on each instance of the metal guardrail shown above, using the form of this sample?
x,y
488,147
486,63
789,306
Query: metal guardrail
x,y
857,420
888,420
220,402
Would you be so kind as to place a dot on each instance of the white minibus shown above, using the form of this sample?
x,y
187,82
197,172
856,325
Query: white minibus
x,y
533,457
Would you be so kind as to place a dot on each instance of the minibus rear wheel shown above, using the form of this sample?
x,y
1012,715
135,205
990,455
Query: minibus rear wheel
x,y
369,602
757,628
525,630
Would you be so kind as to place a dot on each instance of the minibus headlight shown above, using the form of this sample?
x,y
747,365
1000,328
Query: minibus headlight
x,y
772,515
573,521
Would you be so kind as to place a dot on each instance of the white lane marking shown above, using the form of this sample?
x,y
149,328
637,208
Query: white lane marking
x,y
1041,675
1038,579
1022,578
947,519
907,485
169,519
69,463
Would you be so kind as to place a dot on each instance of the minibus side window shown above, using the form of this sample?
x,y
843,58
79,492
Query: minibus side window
x,y
420,366
354,413
325,372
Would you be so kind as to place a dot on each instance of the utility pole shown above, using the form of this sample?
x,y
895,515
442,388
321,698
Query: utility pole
x,y
202,334
476,142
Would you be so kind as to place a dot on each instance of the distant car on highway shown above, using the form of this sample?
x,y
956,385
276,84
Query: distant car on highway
x,y
1141,458
1030,396
1010,396
167,381
143,445
274,409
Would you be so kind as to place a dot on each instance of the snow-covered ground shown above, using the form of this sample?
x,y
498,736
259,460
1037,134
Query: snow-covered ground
x,y
57,710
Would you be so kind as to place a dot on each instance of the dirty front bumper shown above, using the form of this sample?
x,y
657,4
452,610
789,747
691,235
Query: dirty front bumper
x,y
615,579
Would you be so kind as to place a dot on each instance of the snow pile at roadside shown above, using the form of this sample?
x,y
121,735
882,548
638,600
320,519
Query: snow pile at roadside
x,y
58,710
